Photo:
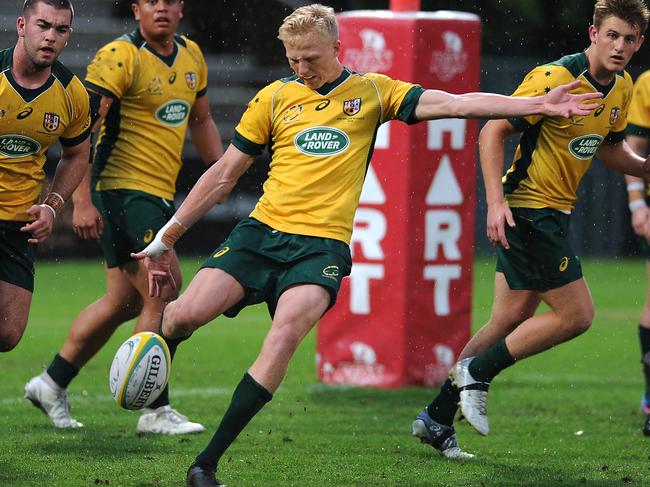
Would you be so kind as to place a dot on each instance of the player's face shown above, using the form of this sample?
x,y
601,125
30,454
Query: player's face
x,y
158,19
45,31
614,42
314,60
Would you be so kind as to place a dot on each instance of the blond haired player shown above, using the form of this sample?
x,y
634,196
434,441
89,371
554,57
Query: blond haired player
x,y
41,101
292,252
147,88
529,210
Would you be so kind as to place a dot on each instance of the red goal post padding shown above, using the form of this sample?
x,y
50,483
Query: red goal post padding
x,y
404,314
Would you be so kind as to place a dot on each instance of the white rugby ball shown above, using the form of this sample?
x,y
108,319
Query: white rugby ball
x,y
140,370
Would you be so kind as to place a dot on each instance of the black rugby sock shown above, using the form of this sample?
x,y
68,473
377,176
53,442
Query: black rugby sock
x,y
487,365
644,339
61,371
443,408
247,400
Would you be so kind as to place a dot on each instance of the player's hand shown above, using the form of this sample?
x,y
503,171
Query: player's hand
x,y
159,272
559,102
498,215
87,222
641,220
41,228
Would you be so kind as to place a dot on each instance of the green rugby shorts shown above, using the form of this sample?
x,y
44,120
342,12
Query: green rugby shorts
x,y
540,255
131,221
266,262
16,255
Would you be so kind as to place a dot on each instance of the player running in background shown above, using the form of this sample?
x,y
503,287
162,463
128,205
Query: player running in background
x,y
637,136
41,102
148,87
529,211
292,252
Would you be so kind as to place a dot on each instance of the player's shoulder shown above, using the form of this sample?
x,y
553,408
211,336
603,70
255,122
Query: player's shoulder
x,y
65,76
5,58
567,68
126,43
643,78
186,42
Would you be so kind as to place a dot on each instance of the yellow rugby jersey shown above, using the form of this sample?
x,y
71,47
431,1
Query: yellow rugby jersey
x,y
141,139
31,120
638,118
321,142
555,152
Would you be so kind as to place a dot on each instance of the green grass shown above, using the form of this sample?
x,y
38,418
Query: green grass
x,y
313,435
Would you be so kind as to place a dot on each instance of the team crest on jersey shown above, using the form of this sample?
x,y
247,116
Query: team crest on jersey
x,y
352,107
190,79
292,113
613,115
155,86
51,121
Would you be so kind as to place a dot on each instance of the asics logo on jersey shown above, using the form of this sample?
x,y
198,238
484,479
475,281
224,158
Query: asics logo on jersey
x,y
25,113
172,78
321,141
2,113
221,252
148,236
322,105
599,110
173,113
585,146
18,146
564,263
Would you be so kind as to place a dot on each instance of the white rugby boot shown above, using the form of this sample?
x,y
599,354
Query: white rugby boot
x,y
166,421
473,395
52,399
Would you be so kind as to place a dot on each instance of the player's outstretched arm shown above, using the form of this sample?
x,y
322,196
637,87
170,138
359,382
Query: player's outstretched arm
x,y
557,102
69,172
204,132
491,145
621,157
212,188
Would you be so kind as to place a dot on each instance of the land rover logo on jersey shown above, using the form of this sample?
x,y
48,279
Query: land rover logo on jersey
x,y
51,121
585,146
613,115
352,107
321,141
173,113
18,146
190,79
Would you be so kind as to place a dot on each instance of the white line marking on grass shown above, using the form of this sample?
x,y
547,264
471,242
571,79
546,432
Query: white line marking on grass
x,y
84,397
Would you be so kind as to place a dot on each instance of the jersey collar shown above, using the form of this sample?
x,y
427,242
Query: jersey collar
x,y
27,94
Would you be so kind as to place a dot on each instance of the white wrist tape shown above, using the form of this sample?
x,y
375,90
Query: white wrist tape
x,y
44,205
169,233
638,203
636,186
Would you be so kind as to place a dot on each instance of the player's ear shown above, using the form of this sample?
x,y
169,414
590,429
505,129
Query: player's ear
x,y
135,8
593,33
20,26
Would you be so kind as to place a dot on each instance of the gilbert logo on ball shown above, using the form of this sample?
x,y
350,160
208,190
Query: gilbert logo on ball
x,y
140,370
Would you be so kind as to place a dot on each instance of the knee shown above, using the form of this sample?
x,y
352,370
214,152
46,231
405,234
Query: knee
x,y
9,339
581,320
179,319
283,340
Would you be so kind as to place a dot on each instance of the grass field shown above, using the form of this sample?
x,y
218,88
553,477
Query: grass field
x,y
567,417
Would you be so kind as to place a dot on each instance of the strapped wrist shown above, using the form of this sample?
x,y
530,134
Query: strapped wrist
x,y
635,186
54,201
45,205
635,204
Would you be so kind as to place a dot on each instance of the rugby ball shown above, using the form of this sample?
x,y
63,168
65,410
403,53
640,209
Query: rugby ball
x,y
140,370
